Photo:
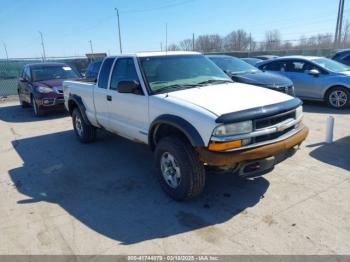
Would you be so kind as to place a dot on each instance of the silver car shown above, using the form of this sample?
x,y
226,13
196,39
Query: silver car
x,y
314,78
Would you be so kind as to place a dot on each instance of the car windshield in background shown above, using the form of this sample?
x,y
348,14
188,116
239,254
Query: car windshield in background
x,y
331,65
167,73
42,73
234,65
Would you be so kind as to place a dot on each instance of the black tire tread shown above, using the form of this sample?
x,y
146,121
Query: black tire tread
x,y
340,88
89,130
197,181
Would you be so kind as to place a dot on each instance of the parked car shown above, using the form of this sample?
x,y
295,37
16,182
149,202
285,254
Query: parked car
x,y
40,86
92,70
190,114
242,72
251,60
314,78
343,57
266,57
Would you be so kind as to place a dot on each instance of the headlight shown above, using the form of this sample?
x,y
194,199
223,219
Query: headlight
x,y
234,129
299,112
44,89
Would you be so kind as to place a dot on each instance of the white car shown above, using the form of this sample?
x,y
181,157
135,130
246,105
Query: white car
x,y
190,114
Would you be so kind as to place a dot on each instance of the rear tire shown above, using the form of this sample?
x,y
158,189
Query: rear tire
x,y
36,109
179,171
85,132
338,97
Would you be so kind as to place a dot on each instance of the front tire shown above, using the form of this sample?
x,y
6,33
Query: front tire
x,y
179,171
338,98
36,109
85,132
22,103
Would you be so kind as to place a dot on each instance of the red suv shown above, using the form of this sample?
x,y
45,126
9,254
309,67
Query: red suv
x,y
40,86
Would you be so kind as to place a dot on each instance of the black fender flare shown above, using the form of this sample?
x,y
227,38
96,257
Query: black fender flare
x,y
78,101
181,124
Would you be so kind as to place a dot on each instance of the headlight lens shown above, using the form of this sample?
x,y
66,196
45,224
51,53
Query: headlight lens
x,y
299,112
234,129
44,89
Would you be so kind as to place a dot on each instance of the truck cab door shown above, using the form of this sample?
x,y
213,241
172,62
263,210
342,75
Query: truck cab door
x,y
128,111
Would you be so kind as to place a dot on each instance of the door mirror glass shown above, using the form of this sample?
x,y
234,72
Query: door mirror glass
x,y
314,72
129,87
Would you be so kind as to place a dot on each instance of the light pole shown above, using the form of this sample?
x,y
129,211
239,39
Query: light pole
x,y
338,29
120,38
7,55
43,45
92,51
166,37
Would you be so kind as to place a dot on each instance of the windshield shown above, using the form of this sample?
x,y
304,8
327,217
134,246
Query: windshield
x,y
233,65
331,65
42,73
180,72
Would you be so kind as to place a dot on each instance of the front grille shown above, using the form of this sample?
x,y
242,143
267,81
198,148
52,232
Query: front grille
x,y
268,122
273,120
272,136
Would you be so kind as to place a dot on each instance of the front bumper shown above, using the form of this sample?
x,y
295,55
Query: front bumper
x,y
48,101
232,159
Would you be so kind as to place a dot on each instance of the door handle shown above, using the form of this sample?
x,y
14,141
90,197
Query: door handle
x,y
109,98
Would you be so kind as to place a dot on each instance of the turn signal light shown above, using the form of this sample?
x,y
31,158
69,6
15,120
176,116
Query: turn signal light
x,y
225,145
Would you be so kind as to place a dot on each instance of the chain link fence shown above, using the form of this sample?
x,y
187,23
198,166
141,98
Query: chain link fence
x,y
10,70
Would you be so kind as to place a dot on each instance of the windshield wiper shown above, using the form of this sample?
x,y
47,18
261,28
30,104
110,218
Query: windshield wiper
x,y
176,87
214,81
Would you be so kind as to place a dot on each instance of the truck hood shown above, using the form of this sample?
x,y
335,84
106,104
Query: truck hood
x,y
228,98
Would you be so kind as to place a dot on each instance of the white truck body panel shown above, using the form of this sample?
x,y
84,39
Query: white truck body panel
x,y
131,115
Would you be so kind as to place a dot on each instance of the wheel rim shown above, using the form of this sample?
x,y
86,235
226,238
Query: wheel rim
x,y
34,106
170,170
78,125
338,98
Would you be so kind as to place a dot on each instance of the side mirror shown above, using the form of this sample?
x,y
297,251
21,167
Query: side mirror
x,y
21,79
314,72
129,87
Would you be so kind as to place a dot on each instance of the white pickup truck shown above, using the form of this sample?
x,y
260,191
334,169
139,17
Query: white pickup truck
x,y
191,115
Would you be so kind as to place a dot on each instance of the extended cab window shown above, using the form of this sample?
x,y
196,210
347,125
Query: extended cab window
x,y
124,70
104,73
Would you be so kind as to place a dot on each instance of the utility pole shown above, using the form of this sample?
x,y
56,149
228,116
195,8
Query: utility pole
x,y
166,37
7,55
193,42
338,28
341,23
92,51
43,45
250,44
120,38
